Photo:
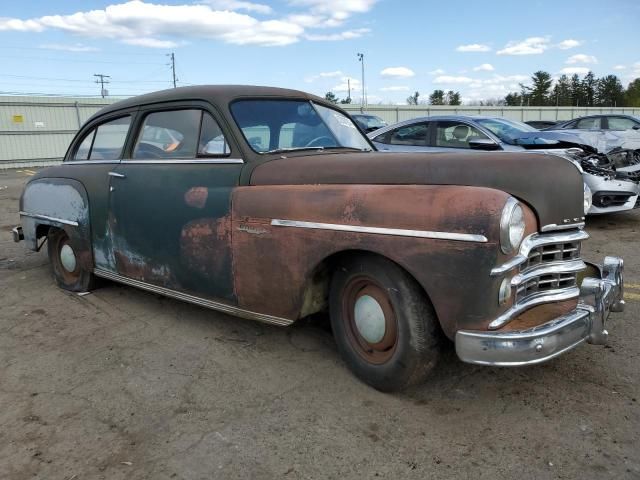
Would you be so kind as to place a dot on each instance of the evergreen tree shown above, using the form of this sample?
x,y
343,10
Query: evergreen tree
x,y
437,97
609,92
453,98
589,83
562,92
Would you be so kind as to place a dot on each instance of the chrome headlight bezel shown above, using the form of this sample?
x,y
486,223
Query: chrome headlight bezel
x,y
512,226
587,198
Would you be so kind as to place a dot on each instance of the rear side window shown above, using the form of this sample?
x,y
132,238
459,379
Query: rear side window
x,y
415,135
105,142
187,133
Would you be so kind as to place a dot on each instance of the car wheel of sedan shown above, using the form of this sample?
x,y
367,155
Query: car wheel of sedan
x,y
383,323
65,264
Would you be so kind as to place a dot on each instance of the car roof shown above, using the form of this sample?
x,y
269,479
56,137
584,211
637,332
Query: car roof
x,y
218,94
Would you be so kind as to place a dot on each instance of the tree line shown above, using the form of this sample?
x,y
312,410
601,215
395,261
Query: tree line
x,y
588,91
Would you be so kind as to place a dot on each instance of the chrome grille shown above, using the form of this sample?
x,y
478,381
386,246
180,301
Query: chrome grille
x,y
543,283
554,252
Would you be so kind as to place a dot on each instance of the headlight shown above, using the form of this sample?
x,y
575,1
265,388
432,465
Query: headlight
x,y
511,226
587,198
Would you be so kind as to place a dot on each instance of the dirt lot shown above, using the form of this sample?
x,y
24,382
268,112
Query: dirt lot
x,y
126,384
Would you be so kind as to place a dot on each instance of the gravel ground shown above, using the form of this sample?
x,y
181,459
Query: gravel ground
x,y
126,384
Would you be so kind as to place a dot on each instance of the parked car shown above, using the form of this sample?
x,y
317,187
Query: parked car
x,y
297,215
541,124
601,122
367,122
613,190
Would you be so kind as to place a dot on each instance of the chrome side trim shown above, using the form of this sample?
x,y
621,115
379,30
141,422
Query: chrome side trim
x,y
462,237
117,175
566,226
184,161
557,295
51,219
536,240
90,162
220,307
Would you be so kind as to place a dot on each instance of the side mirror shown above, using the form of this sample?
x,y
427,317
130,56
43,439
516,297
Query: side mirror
x,y
483,144
636,127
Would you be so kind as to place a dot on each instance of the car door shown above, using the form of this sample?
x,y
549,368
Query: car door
x,y
170,202
406,138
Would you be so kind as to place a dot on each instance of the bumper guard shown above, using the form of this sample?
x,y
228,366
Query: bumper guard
x,y
598,297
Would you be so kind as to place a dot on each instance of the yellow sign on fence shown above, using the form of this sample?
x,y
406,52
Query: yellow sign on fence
x,y
18,119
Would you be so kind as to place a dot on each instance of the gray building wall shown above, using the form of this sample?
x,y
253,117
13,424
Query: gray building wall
x,y
36,131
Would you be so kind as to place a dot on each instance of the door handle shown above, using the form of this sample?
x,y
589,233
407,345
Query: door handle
x,y
117,175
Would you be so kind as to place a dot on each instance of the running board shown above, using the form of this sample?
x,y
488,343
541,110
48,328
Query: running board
x,y
220,307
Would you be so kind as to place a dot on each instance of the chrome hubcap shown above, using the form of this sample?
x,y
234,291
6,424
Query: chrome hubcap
x,y
369,319
68,258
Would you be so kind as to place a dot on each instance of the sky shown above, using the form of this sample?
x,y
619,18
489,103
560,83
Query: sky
x,y
481,49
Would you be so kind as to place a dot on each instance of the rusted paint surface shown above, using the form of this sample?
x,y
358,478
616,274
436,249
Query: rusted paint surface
x,y
272,269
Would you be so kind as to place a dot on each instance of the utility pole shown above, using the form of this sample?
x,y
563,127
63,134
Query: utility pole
x,y
100,78
349,90
363,102
173,67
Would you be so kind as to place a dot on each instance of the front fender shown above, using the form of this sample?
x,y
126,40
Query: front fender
x,y
274,261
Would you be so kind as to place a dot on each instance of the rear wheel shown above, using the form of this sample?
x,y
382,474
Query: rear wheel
x,y
67,271
384,325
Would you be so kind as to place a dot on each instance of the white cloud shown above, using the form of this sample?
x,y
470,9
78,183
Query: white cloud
x,y
528,46
485,67
437,71
78,47
473,47
333,37
581,58
150,42
401,72
238,5
313,78
572,70
448,79
620,67
160,25
569,43
332,13
396,88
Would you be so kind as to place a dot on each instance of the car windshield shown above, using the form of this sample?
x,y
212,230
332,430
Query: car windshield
x,y
370,121
506,130
271,126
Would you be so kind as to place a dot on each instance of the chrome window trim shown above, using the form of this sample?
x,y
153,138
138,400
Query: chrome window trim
x,y
220,307
462,237
185,161
51,219
88,162
536,240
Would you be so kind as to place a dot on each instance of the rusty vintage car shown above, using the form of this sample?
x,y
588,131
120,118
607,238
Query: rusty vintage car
x,y
272,205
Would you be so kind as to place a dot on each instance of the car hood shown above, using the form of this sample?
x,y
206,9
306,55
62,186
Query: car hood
x,y
542,140
551,185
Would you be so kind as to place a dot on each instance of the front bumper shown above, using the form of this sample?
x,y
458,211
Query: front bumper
x,y
599,295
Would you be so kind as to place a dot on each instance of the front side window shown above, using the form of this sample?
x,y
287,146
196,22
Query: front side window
x,y
509,131
105,142
620,123
414,135
592,123
180,134
456,134
271,126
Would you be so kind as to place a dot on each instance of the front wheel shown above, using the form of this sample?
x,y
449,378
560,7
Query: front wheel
x,y
383,323
67,271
